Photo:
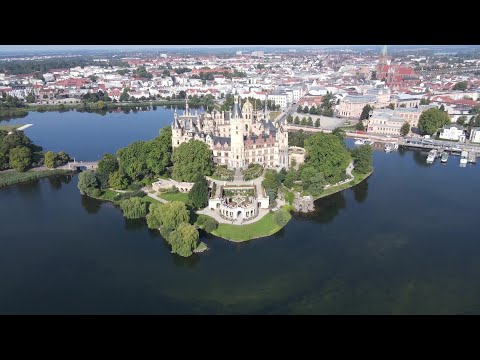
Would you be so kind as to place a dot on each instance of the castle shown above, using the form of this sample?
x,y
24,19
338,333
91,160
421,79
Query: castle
x,y
237,138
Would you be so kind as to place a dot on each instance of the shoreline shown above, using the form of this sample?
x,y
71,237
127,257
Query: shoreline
x,y
357,179
10,178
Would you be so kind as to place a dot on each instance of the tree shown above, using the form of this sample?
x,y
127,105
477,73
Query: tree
x,y
403,105
198,194
340,133
374,75
405,129
304,121
424,101
327,154
49,159
462,85
281,217
360,126
312,110
462,120
289,119
87,182
309,121
30,98
124,96
317,122
62,158
190,159
93,78
366,112
299,109
133,208
118,180
270,180
184,239
160,152
133,159
362,157
289,197
305,109
20,158
292,175
206,223
168,216
432,119
391,106
297,120
442,107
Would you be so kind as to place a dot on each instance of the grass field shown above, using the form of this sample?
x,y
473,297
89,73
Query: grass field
x,y
175,197
274,114
108,195
151,200
266,226
10,127
358,178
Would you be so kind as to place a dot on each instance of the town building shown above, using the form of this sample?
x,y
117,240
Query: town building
x,y
475,135
389,122
452,132
237,138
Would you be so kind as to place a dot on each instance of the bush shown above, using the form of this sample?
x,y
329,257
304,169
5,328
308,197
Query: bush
x,y
252,172
135,186
206,223
94,192
281,217
173,190
289,197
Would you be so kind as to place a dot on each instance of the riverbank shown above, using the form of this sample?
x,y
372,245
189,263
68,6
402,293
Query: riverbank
x,y
264,227
357,179
8,178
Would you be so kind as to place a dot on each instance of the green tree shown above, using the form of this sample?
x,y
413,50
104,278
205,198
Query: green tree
x,y
160,152
360,126
289,197
340,133
405,129
118,180
184,239
366,112
305,109
432,119
133,159
304,121
270,180
30,98
62,158
297,120
108,164
299,109
289,119
133,208
312,110
424,101
462,85
168,216
391,106
281,217
49,159
292,175
198,194
124,96
206,223
442,107
309,121
87,182
190,159
362,157
20,158
403,105
462,120
317,122
327,154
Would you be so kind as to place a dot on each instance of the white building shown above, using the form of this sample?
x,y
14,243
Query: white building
x,y
280,98
452,132
475,135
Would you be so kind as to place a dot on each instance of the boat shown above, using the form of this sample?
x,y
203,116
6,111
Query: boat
x,y
463,158
369,142
359,142
388,148
431,156
444,157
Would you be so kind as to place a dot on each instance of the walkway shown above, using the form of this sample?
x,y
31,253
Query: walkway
x,y
349,173
216,215
238,176
153,196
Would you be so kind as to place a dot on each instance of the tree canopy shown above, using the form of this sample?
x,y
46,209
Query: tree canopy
x,y
362,157
462,85
168,215
87,182
365,112
198,194
133,208
432,119
49,159
405,129
190,159
184,239
20,158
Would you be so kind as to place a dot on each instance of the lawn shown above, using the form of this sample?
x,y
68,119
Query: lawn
x,y
175,197
10,127
108,195
266,226
274,114
358,178
151,200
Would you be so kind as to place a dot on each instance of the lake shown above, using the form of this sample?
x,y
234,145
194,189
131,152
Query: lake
x,y
402,242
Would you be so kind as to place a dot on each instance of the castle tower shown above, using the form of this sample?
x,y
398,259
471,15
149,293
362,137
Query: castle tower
x,y
247,111
177,131
237,127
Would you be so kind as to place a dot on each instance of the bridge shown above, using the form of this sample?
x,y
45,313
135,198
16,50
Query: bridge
x,y
80,165
448,146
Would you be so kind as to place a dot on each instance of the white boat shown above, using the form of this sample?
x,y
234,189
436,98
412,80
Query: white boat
x,y
463,158
431,156
369,142
359,142
444,157
388,148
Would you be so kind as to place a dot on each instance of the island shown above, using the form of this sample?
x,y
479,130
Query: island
x,y
231,173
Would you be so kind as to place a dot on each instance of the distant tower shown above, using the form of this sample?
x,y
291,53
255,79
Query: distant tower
x,y
383,63
237,127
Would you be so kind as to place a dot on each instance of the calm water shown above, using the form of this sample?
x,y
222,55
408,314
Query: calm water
x,y
403,242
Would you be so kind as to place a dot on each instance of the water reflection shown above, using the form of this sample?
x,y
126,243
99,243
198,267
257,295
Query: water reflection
x,y
360,191
326,209
92,206
420,158
134,224
189,262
